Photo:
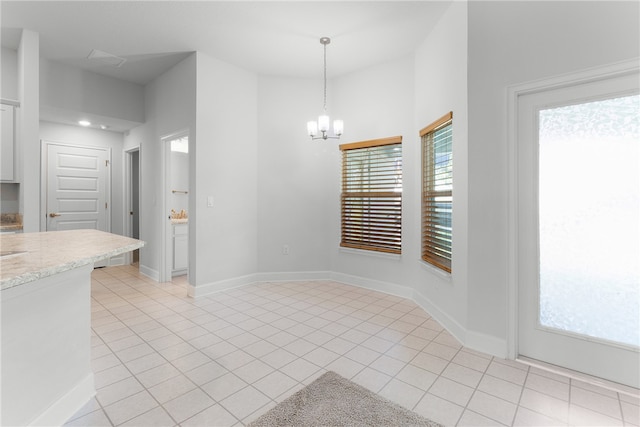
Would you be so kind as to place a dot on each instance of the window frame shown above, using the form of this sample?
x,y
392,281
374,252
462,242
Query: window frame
x,y
434,248
381,198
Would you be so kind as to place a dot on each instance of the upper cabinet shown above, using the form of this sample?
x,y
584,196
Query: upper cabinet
x,y
7,154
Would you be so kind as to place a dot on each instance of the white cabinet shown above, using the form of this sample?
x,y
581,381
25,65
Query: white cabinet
x,y
7,154
180,249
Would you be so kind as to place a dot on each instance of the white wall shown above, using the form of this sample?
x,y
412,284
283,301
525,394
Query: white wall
x,y
9,74
224,166
441,86
511,43
27,138
296,179
299,179
72,89
169,108
87,137
377,102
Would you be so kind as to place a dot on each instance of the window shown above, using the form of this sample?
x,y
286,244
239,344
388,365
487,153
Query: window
x,y
437,192
372,195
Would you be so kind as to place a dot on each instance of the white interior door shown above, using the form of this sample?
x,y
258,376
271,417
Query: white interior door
x,y
77,188
578,237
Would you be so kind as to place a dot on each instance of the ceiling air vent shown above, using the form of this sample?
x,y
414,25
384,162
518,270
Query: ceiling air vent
x,y
106,58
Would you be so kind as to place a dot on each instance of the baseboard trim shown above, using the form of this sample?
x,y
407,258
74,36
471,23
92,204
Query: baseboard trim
x,y
375,285
237,282
116,260
471,339
474,340
221,285
487,344
293,276
60,411
448,322
149,272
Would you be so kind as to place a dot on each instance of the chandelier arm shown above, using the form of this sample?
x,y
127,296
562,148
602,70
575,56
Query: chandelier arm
x,y
325,138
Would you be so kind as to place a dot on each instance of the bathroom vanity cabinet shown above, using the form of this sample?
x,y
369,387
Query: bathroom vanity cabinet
x,y
180,247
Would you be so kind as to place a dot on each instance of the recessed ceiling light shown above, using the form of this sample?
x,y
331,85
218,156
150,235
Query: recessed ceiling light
x,y
84,123
104,127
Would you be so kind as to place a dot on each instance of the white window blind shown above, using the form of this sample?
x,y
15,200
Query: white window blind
x,y
371,201
437,192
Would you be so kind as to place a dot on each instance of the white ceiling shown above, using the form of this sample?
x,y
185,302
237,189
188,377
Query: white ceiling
x,y
272,38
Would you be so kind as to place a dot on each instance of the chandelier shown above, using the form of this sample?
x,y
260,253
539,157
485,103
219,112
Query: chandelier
x,y
322,124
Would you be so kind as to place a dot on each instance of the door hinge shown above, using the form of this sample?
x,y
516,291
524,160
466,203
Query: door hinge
x,y
106,163
105,205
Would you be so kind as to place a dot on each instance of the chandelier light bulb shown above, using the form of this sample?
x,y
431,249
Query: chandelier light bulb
x,y
323,123
338,127
312,128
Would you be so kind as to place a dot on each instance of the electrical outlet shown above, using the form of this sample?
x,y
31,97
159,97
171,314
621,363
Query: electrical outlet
x,y
285,250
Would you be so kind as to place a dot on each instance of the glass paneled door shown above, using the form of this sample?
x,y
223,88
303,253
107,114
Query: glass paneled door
x,y
578,224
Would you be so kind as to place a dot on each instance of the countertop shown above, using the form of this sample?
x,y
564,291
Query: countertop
x,y
33,256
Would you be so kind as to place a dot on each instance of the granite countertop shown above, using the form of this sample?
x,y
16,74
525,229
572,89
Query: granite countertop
x,y
10,222
27,257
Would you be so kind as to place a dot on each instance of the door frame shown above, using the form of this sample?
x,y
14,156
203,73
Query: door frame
x,y
127,220
44,169
513,95
167,235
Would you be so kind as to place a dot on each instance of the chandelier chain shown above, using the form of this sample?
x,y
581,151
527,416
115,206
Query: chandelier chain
x,y
325,77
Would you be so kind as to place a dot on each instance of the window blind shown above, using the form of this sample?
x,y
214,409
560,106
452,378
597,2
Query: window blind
x,y
371,200
437,192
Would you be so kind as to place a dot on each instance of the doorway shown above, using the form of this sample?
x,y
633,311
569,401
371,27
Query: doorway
x,y
132,199
578,203
176,205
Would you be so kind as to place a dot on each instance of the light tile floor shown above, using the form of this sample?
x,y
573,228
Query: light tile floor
x,y
161,358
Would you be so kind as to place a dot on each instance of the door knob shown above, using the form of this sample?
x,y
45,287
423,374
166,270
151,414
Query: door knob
x,y
53,215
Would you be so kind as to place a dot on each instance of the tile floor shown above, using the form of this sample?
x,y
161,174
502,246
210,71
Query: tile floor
x,y
161,358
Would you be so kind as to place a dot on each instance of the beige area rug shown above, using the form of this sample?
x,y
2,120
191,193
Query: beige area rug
x,y
335,401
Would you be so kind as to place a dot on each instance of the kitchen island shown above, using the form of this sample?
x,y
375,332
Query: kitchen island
x,y
45,282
